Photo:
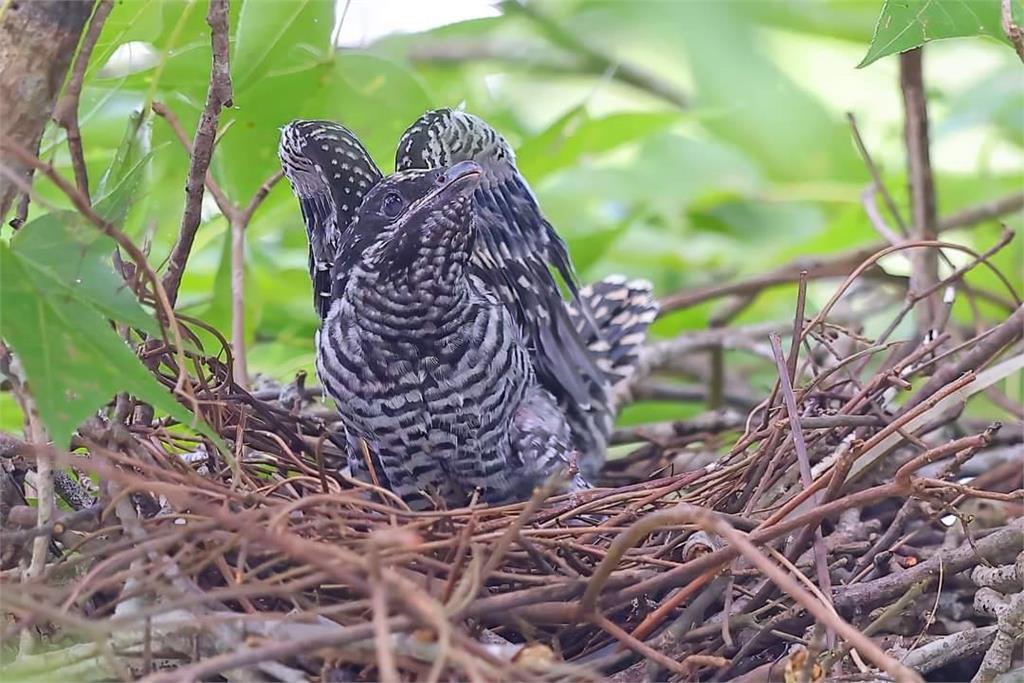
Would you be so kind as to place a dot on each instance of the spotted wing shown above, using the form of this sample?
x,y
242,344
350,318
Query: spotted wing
x,y
330,172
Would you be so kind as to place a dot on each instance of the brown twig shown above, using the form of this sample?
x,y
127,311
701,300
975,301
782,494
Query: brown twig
x,y
65,113
45,508
238,222
821,612
878,185
1011,29
924,262
803,461
1001,336
987,211
218,96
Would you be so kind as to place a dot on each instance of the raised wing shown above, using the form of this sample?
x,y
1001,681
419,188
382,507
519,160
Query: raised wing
x,y
330,172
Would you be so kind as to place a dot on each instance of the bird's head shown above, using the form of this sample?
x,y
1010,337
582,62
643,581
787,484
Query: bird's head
x,y
443,136
330,172
417,218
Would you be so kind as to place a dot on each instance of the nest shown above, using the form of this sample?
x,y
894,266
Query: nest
x,y
853,520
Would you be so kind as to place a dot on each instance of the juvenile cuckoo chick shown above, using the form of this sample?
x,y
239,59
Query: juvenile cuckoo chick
x,y
427,365
581,349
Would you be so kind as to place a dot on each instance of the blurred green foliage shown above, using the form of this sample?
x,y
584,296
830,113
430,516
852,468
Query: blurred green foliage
x,y
755,170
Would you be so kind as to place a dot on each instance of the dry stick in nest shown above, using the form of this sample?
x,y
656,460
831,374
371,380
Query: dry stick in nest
x,y
739,544
804,462
775,526
341,564
823,614
863,267
998,338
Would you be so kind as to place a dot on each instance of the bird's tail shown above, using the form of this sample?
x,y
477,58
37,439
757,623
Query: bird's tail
x,y
622,311
614,332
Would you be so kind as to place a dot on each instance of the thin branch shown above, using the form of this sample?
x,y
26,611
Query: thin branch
x,y
804,462
238,220
240,367
261,194
924,271
45,507
164,112
1011,29
217,96
65,113
876,178
867,200
21,213
1001,336
821,612
973,215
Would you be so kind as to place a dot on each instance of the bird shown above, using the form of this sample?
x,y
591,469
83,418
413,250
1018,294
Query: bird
x,y
580,350
330,173
583,348
427,365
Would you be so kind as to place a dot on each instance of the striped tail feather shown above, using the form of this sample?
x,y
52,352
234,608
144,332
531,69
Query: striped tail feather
x,y
622,311
613,332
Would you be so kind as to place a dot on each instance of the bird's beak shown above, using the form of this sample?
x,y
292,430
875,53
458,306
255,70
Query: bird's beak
x,y
463,175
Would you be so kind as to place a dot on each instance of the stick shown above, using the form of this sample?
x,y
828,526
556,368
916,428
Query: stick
x,y
66,111
924,270
218,95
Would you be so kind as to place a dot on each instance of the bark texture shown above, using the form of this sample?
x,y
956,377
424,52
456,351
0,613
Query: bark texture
x,y
37,43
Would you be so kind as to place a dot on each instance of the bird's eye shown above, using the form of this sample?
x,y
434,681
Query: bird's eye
x,y
392,205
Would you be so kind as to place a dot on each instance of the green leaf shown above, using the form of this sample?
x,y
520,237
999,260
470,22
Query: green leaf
x,y
906,24
746,98
73,360
64,253
996,99
134,145
64,247
279,36
575,135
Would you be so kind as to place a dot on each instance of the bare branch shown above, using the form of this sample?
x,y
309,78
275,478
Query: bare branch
x,y
66,111
221,199
37,43
878,183
1011,29
983,212
217,96
924,262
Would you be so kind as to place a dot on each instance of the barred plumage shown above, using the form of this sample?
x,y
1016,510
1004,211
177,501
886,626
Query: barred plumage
x,y
330,172
548,366
516,245
425,363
